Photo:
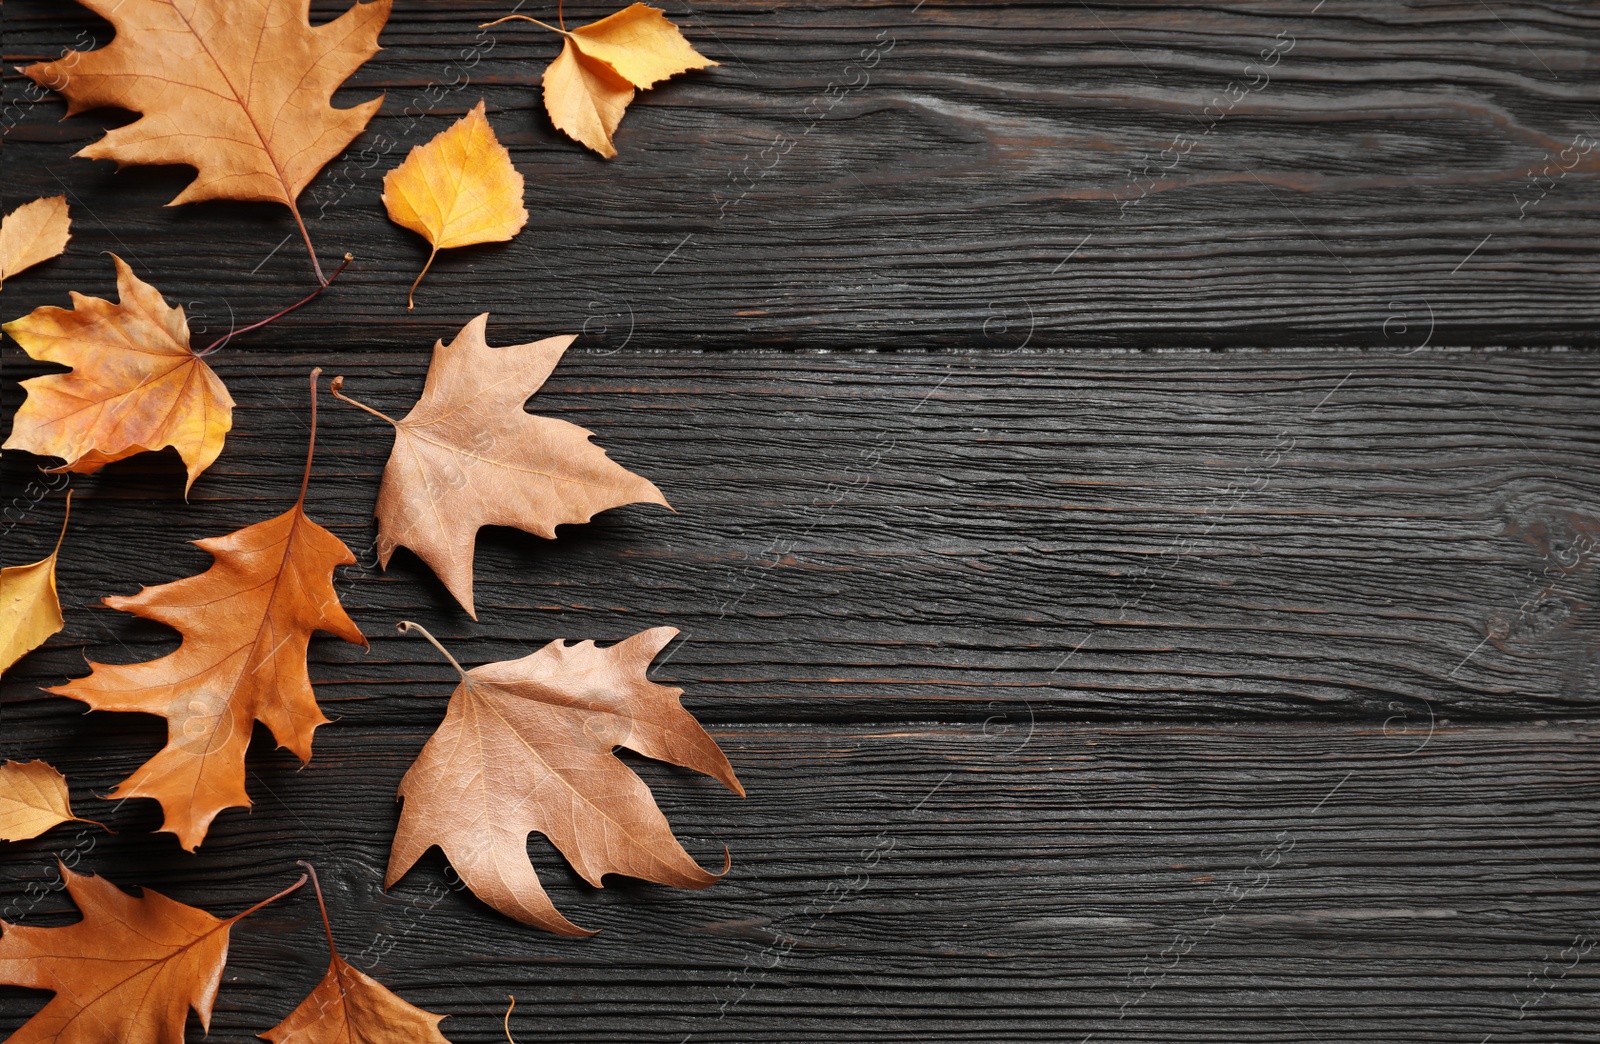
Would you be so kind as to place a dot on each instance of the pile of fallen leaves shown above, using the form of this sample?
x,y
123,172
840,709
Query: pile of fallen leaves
x,y
241,91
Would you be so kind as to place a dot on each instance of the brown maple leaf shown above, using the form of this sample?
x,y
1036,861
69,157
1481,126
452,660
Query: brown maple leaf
x,y
528,745
350,1007
589,85
240,90
468,455
246,624
128,973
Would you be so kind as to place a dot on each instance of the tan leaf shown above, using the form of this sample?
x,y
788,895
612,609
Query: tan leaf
x,y
33,798
457,190
529,745
136,384
30,611
246,624
350,1007
240,90
128,973
468,455
32,233
589,85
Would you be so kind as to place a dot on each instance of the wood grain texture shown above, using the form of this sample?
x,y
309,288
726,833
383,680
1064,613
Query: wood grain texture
x,y
896,176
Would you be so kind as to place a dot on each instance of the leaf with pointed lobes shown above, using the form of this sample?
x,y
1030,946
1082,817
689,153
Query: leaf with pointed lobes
x,y
246,624
136,384
30,609
33,233
240,90
528,745
468,455
128,973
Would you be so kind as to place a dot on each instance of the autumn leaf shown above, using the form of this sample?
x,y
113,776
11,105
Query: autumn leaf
x,y
246,624
128,973
32,233
33,798
529,745
469,455
457,190
589,85
30,611
351,1007
240,90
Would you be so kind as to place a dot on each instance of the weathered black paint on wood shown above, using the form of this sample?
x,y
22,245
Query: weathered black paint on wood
x,y
1083,682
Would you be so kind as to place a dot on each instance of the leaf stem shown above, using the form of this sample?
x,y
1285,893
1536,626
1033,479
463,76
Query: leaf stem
x,y
268,901
312,296
412,293
406,627
338,383
311,444
333,951
63,534
315,264
523,18
513,999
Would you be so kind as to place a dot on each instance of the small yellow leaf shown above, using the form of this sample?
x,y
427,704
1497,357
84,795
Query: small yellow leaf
x,y
32,233
640,45
33,798
457,190
585,99
30,612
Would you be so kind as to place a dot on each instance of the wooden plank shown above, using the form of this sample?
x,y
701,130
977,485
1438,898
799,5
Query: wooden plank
x,y
957,174
1290,883
1123,536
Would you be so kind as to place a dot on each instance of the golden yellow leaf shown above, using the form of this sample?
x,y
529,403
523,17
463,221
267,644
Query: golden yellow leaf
x,y
33,798
457,190
136,384
589,85
32,233
30,612
240,90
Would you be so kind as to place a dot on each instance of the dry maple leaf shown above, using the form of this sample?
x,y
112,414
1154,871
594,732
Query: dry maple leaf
x,y
457,190
469,455
246,624
128,973
30,611
528,745
589,85
351,1007
240,90
33,798
32,233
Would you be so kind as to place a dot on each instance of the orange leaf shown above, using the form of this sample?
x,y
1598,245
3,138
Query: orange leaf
x,y
129,971
351,1007
469,455
33,798
589,85
246,625
30,611
136,384
238,89
457,190
528,745
32,233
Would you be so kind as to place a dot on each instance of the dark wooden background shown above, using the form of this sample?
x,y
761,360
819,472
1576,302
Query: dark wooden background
x,y
1143,604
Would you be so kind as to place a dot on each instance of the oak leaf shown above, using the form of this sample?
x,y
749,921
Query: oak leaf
x,y
128,972
32,233
528,745
457,190
241,90
246,624
136,384
33,798
349,1006
30,610
589,85
469,455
